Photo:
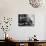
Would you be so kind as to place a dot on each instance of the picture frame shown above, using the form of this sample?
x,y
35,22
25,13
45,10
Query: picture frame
x,y
26,20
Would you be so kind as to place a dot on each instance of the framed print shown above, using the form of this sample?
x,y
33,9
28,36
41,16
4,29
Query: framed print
x,y
25,20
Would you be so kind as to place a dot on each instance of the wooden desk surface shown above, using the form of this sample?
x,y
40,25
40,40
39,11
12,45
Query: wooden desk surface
x,y
40,41
27,41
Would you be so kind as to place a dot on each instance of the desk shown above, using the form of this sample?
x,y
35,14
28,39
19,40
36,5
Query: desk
x,y
31,43
28,43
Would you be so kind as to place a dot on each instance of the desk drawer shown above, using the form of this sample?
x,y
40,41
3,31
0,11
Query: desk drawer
x,y
42,44
21,44
25,44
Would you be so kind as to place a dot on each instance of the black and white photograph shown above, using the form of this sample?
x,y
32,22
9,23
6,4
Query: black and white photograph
x,y
25,20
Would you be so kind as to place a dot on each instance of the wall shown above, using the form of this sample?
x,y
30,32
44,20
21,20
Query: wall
x,y
45,28
11,8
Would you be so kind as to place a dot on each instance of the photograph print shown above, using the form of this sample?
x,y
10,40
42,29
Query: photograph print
x,y
25,20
